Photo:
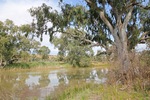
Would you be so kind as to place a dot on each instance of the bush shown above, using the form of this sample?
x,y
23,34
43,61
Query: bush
x,y
79,60
85,62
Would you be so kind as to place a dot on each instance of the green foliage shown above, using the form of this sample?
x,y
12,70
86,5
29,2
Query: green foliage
x,y
99,23
78,56
71,49
44,52
14,45
72,17
37,64
18,65
26,29
88,20
27,65
25,56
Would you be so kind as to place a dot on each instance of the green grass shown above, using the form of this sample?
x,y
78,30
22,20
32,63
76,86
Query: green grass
x,y
18,65
27,65
89,91
101,64
44,64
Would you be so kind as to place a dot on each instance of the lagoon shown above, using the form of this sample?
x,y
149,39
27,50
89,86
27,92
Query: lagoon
x,y
38,84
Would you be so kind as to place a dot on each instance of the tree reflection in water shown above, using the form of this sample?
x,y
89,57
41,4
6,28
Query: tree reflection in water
x,y
30,85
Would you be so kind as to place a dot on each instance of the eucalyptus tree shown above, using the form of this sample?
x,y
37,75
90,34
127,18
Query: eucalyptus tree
x,y
8,42
72,50
117,22
13,41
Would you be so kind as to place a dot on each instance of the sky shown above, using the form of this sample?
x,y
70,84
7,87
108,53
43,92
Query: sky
x,y
17,11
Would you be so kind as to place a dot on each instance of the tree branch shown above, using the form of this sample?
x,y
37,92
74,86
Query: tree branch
x,y
92,44
141,6
101,13
104,19
98,44
127,18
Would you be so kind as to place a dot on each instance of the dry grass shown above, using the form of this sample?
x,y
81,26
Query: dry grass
x,y
137,78
101,64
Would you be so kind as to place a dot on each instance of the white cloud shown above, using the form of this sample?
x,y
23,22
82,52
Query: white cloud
x,y
17,10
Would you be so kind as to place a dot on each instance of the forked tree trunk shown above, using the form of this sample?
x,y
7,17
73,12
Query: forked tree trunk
x,y
120,37
123,57
122,49
121,42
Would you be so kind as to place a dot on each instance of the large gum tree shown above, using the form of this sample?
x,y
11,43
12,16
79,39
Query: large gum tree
x,y
121,23
13,44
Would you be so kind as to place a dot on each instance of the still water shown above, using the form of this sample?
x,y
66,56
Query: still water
x,y
31,85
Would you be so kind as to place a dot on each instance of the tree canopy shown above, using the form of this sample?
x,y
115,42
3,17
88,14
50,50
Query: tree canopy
x,y
14,44
72,50
121,23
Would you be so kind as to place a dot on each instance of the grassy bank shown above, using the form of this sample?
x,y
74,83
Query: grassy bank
x,y
50,64
100,64
40,64
92,91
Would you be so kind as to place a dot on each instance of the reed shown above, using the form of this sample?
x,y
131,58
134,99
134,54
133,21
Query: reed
x,y
91,91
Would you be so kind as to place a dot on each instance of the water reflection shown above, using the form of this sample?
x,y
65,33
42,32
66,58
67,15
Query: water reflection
x,y
32,81
29,85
